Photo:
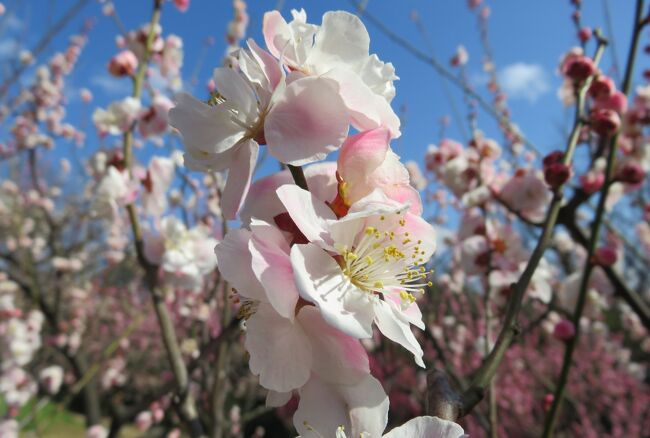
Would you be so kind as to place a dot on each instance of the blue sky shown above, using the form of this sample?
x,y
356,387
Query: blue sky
x,y
527,37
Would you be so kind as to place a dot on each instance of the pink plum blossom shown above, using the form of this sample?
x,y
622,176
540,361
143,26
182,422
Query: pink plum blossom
x,y
337,49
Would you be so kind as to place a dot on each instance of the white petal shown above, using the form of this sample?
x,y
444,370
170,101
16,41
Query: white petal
x,y
311,215
204,128
280,352
321,410
319,279
342,38
427,427
237,91
276,399
338,358
239,178
368,406
234,261
397,330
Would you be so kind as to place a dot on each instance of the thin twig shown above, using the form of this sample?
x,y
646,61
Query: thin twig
x,y
571,344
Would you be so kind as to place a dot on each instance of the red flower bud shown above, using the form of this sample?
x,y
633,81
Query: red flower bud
x,y
585,34
605,256
556,174
548,402
578,68
630,173
553,157
605,122
564,330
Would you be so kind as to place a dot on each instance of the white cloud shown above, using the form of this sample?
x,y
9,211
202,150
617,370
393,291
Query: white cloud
x,y
524,81
111,85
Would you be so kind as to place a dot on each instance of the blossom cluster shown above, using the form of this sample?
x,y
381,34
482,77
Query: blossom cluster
x,y
318,264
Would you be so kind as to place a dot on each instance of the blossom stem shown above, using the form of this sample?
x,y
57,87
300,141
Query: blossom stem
x,y
298,176
185,400
551,418
510,328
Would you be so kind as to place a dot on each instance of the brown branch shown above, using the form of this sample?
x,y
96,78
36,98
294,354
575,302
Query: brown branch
x,y
590,264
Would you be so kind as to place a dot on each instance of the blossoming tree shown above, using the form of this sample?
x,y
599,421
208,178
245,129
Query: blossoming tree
x,y
500,291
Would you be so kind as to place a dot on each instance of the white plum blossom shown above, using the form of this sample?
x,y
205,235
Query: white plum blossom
x,y
300,119
118,117
185,255
338,49
365,267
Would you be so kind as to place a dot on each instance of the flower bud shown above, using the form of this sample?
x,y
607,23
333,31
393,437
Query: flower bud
x,y
592,181
605,122
547,402
616,102
123,64
564,330
182,5
602,87
585,34
605,256
556,174
553,157
578,68
630,173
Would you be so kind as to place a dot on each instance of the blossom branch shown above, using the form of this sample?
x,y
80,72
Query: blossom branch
x,y
510,328
591,263
186,402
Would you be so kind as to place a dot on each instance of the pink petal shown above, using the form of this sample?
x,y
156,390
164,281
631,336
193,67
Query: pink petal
x,y
280,353
272,267
338,358
306,122
239,178
362,153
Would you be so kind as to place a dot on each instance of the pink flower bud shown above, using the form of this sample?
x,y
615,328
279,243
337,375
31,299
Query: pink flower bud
x,y
575,16
591,182
605,122
616,102
578,68
630,173
605,256
556,174
564,330
602,87
585,34
182,5
473,3
123,64
547,402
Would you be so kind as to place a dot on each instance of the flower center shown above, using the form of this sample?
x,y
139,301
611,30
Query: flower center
x,y
385,260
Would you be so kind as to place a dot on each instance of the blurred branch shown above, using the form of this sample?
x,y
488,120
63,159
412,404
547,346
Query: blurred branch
x,y
185,400
42,45
510,328
590,263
